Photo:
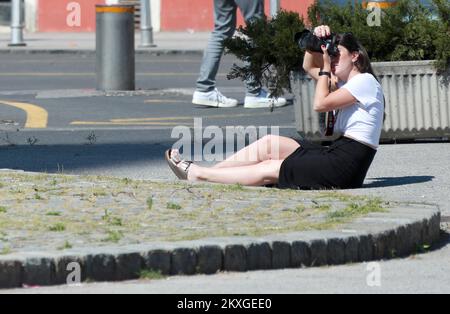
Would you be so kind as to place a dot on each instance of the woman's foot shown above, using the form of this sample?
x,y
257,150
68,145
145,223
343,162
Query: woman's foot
x,y
183,169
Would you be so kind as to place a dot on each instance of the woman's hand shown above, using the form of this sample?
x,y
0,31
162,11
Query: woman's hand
x,y
322,31
326,59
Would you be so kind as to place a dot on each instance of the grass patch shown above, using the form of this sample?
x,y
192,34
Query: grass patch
x,y
423,248
113,236
355,209
65,246
111,220
322,207
5,251
225,188
235,188
99,192
173,206
3,210
115,221
150,274
58,227
106,215
150,203
127,181
53,213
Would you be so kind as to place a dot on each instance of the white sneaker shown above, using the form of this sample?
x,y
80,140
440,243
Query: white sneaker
x,y
263,101
213,99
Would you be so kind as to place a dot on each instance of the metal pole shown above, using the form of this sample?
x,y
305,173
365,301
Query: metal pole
x,y
115,64
146,25
274,7
17,24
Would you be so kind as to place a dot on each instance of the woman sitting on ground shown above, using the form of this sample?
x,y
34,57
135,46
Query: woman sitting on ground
x,y
287,163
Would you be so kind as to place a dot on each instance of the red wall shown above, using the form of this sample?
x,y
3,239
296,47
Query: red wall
x,y
52,15
176,15
179,15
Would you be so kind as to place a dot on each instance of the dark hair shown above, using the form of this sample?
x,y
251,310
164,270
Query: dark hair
x,y
349,41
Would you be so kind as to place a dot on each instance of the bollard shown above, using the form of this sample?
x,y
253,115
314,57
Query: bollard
x,y
146,25
115,64
17,24
274,7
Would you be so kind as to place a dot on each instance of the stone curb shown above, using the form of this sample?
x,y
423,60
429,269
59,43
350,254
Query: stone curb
x,y
397,233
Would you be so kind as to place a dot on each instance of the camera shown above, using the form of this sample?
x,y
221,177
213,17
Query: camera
x,y
308,41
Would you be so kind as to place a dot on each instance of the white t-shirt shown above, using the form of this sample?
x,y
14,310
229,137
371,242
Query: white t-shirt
x,y
362,121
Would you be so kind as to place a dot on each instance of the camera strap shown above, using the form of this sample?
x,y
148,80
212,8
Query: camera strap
x,y
330,118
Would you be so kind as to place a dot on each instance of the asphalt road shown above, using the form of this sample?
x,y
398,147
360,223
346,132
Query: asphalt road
x,y
75,130
126,136
77,71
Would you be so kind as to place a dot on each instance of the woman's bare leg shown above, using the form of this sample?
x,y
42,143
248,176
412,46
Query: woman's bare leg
x,y
270,147
263,173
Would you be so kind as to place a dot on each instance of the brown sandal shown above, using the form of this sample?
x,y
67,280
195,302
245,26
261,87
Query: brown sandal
x,y
178,166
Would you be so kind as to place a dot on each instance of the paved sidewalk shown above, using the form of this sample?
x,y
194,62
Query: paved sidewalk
x,y
167,42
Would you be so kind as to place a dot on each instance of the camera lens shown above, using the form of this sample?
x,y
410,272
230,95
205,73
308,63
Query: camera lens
x,y
308,41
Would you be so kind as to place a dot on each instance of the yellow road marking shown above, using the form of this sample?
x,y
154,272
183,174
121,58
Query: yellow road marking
x,y
218,116
37,117
164,121
129,123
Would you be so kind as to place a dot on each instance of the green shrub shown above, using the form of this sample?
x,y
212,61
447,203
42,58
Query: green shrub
x,y
442,42
408,31
270,54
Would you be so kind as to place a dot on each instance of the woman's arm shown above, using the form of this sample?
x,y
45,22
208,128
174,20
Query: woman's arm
x,y
325,101
313,61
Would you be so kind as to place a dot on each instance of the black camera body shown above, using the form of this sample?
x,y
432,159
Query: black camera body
x,y
308,41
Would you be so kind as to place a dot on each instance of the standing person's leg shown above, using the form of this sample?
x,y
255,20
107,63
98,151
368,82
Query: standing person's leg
x,y
251,9
224,27
256,97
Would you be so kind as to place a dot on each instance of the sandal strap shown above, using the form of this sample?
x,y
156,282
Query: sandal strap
x,y
185,165
176,159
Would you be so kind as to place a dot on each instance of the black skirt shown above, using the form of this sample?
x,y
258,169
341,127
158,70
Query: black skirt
x,y
343,165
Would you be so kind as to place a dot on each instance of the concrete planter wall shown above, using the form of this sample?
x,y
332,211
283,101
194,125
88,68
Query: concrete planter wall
x,y
417,102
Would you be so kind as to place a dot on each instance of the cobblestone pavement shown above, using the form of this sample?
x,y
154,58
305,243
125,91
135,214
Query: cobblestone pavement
x,y
55,212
